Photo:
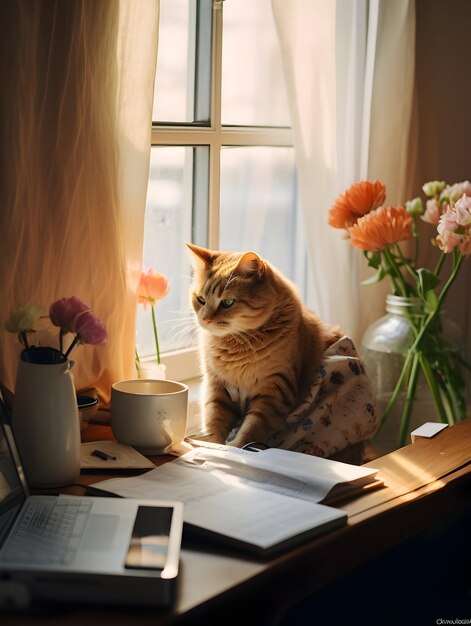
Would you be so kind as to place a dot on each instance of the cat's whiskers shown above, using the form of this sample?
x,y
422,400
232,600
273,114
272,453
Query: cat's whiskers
x,y
189,328
247,339
180,320
258,340
251,338
241,346
258,335
183,328
185,336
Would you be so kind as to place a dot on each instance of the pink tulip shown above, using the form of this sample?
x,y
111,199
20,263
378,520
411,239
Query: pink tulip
x,y
152,287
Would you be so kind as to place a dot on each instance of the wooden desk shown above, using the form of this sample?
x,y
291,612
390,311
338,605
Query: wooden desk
x,y
426,483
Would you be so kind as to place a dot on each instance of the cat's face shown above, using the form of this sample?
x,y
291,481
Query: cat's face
x,y
231,293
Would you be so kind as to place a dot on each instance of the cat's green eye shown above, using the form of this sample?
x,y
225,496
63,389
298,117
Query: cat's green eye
x,y
227,302
201,300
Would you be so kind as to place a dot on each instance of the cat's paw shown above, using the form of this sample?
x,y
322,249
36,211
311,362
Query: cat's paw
x,y
239,441
212,438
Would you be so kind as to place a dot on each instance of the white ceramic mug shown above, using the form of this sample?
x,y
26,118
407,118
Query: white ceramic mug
x,y
150,415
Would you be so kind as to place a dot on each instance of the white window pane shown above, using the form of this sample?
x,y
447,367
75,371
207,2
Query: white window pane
x,y
259,204
173,91
168,225
251,58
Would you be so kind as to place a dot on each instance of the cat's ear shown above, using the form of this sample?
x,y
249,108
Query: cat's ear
x,y
200,255
250,264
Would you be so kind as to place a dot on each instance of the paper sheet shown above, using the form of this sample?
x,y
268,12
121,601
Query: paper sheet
x,y
127,457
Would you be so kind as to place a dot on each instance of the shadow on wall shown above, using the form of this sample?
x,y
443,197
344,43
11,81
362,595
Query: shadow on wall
x,y
443,93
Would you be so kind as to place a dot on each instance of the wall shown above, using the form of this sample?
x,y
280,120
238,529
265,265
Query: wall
x,y
443,96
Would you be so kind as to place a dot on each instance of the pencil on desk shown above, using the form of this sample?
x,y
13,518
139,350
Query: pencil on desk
x,y
103,455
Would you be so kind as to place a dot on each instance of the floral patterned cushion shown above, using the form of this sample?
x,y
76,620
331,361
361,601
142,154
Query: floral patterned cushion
x,y
338,411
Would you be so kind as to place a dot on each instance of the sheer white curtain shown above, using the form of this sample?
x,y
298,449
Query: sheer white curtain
x,y
349,66
76,79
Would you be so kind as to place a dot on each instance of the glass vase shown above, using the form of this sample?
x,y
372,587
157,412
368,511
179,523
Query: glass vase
x,y
384,348
151,370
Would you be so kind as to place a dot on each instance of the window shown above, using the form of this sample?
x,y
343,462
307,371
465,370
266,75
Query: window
x,y
222,170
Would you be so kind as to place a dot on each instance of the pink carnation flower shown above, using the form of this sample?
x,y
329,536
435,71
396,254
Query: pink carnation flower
x,y
90,329
64,313
463,210
454,228
456,191
432,212
437,205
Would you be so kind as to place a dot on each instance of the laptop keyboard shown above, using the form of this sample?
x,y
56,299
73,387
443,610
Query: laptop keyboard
x,y
49,532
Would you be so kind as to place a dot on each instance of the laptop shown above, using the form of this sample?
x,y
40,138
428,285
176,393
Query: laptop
x,y
82,549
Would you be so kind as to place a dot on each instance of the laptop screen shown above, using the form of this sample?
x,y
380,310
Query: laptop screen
x,y
12,492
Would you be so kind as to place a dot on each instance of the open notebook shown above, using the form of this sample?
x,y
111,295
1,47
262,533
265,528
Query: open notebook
x,y
110,551
260,502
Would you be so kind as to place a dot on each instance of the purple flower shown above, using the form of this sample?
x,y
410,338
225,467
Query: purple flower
x,y
69,314
65,312
90,328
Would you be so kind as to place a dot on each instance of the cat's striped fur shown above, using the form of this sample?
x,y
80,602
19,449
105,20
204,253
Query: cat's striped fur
x,y
260,346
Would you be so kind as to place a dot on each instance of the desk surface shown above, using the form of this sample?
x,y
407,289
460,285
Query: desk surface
x,y
425,482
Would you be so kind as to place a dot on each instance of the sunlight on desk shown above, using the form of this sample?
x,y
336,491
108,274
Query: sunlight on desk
x,y
403,475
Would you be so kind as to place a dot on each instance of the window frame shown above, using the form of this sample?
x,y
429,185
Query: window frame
x,y
184,364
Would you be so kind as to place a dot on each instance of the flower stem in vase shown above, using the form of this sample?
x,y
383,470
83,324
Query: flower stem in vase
x,y
154,325
411,387
430,378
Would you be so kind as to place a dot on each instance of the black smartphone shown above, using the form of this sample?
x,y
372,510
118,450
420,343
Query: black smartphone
x,y
150,538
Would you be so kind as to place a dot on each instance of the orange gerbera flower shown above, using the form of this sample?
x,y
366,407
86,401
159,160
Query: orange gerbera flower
x,y
359,199
381,228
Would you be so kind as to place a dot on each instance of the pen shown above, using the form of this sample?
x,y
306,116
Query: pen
x,y
103,455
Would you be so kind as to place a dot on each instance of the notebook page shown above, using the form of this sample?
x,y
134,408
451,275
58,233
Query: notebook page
x,y
226,504
283,471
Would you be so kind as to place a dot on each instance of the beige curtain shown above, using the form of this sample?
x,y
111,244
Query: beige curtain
x,y
349,66
76,84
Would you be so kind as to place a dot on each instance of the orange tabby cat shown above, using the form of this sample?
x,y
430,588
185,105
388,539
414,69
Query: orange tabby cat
x,y
260,347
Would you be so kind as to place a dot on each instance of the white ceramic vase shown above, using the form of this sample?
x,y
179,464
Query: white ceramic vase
x,y
45,420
